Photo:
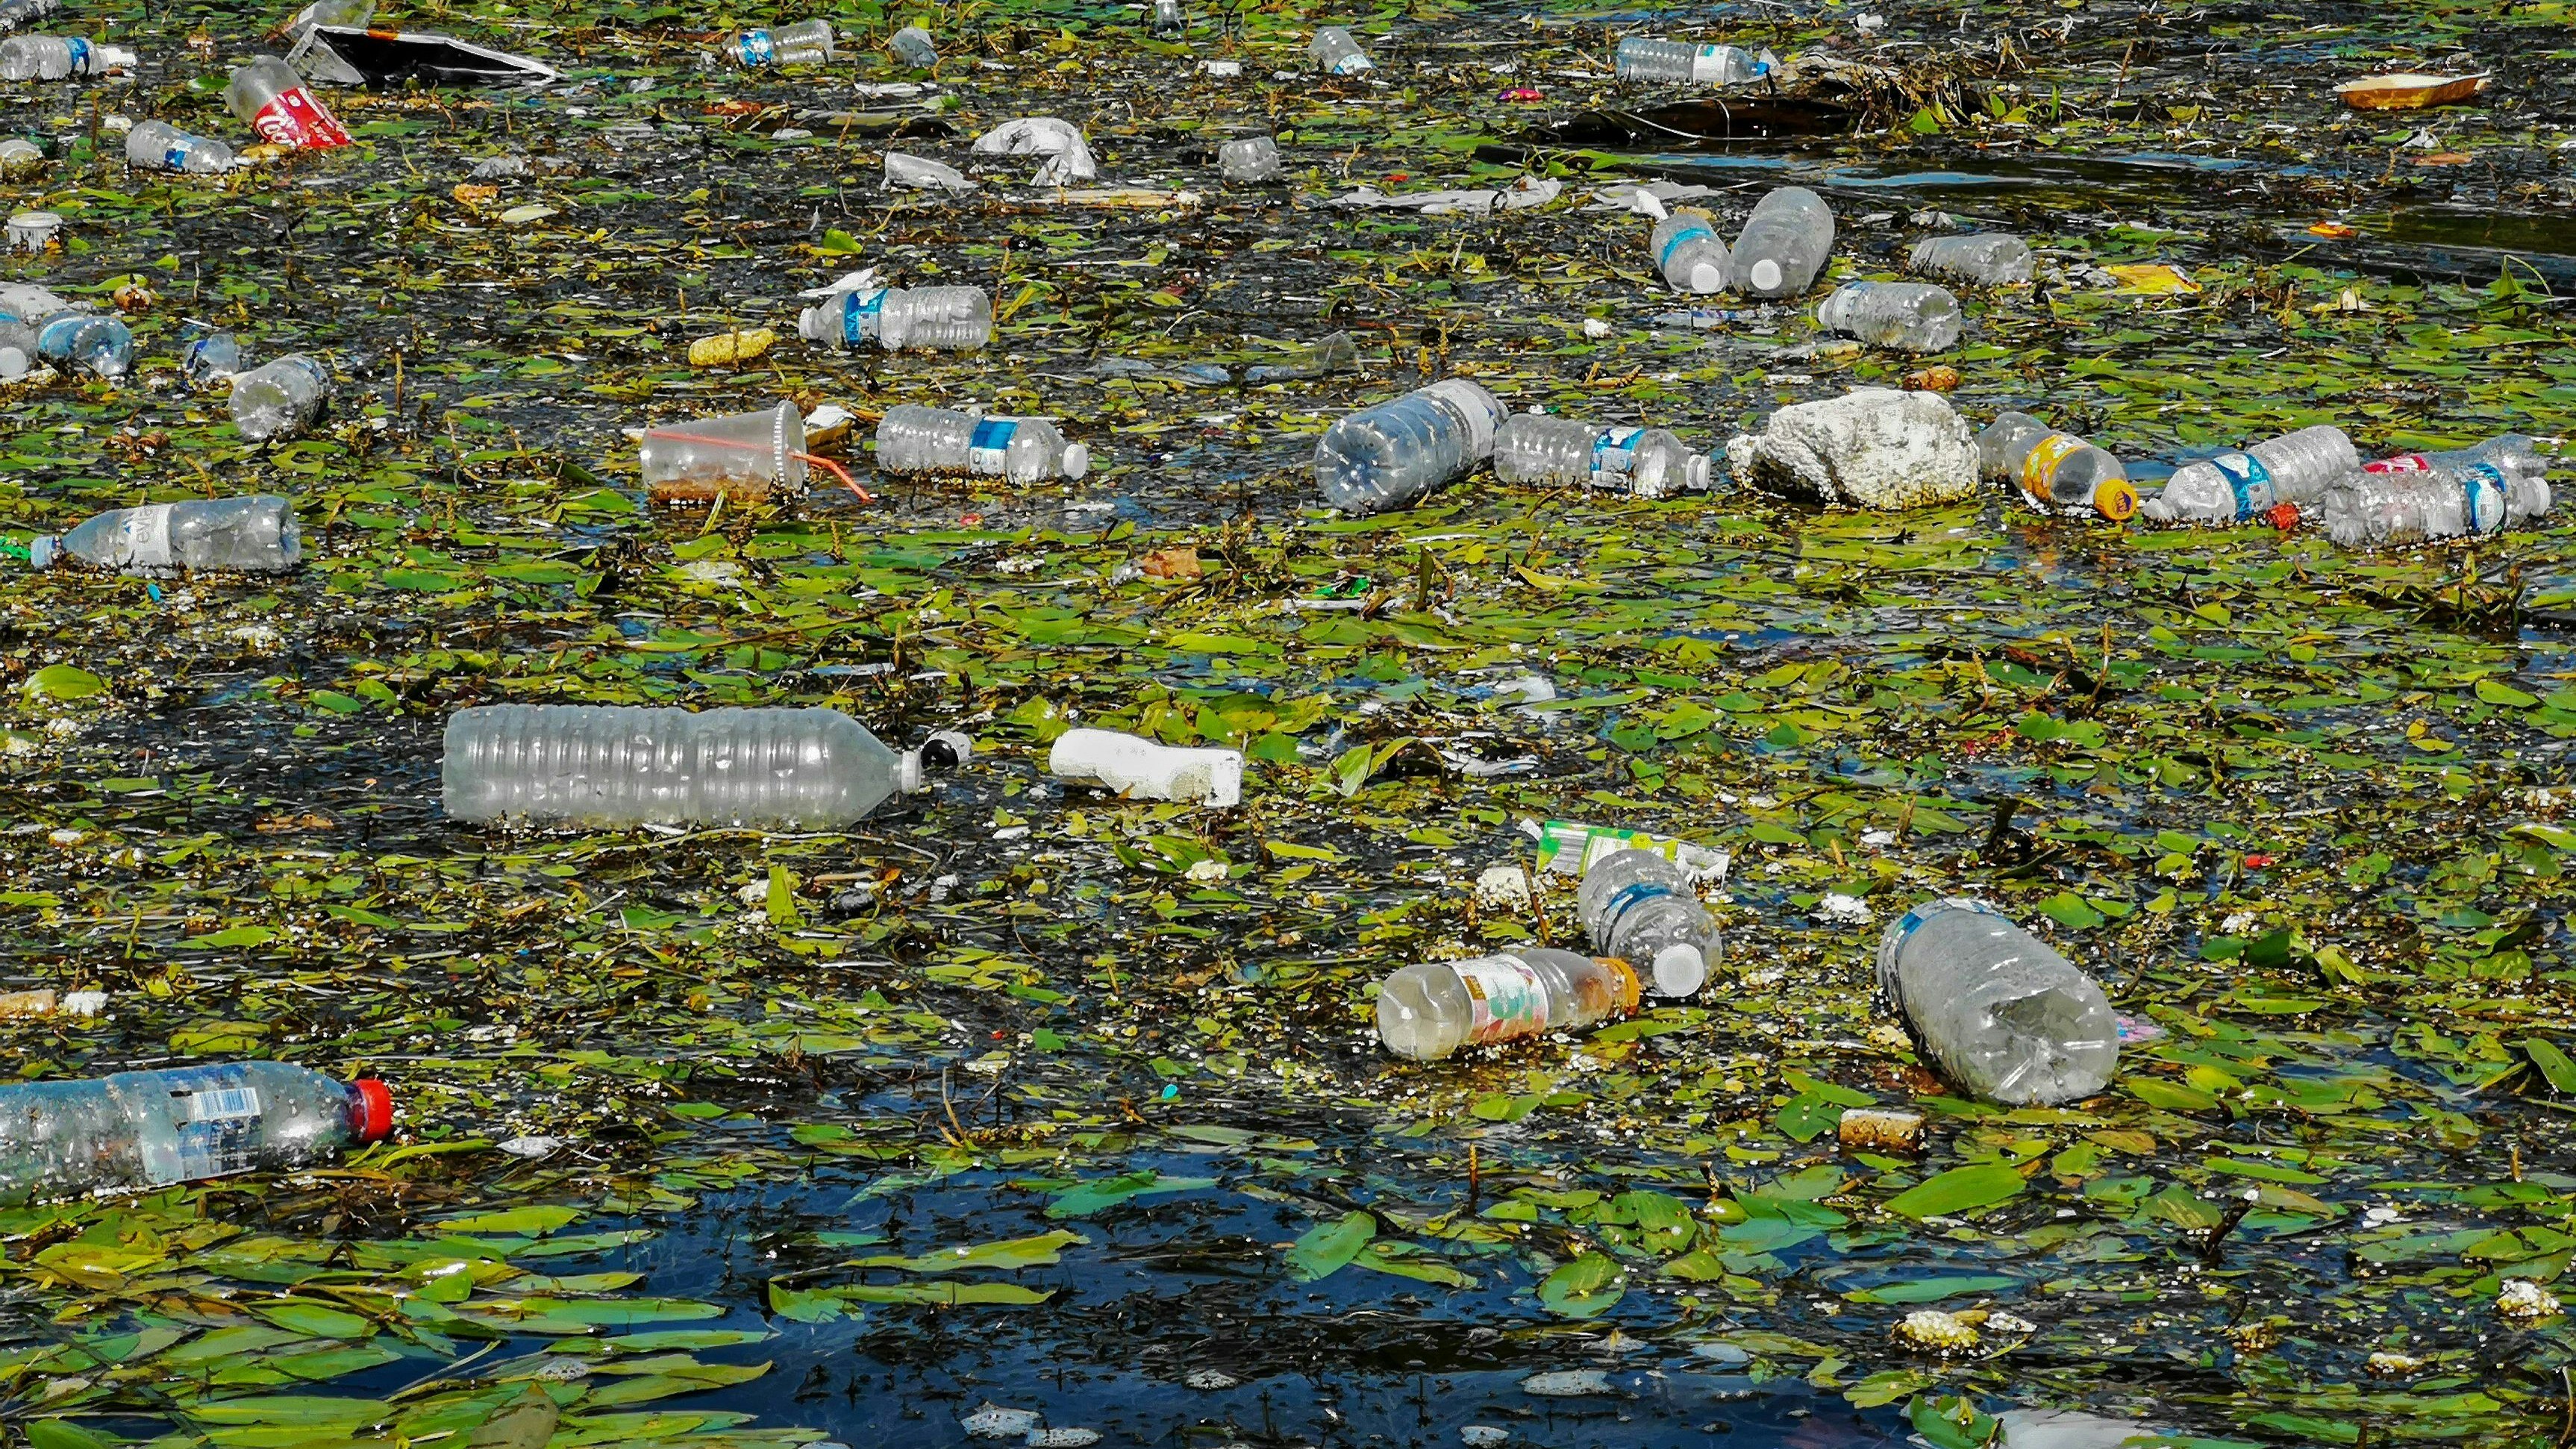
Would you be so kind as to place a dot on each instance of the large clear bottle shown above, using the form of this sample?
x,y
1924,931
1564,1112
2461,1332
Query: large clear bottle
x,y
1690,254
86,340
58,57
280,399
1989,260
133,1131
2002,1016
1681,63
807,42
913,46
1784,244
160,146
1639,906
1394,454
2055,472
912,438
1335,53
257,534
2418,497
609,766
1534,448
1440,1008
2234,487
950,319
1899,316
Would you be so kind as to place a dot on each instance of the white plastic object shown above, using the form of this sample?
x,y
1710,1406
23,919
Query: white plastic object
x,y
1143,769
1899,316
912,45
256,534
1640,907
59,57
807,42
765,447
2055,472
1993,259
920,173
1871,448
610,766
1336,53
945,319
1677,62
1689,253
20,158
1435,1010
1784,244
282,398
87,340
1068,155
2001,1015
160,146
2419,497
1394,454
1534,448
2294,468
31,232
135,1131
912,438
1249,159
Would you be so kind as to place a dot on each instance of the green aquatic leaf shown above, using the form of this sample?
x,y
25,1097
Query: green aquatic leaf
x,y
1044,1250
2555,1066
1932,1290
527,1422
1959,1190
1325,1250
1586,1287
63,682
1090,1198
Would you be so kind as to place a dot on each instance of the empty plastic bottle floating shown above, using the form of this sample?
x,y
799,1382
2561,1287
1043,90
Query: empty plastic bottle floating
x,y
138,1130
2055,472
1784,244
912,438
606,766
1680,63
160,146
1249,158
1440,1008
59,57
1639,906
1689,253
2295,468
1533,448
912,45
1144,769
1989,261
1394,454
270,98
2002,1016
1899,316
2419,497
1170,20
1336,53
257,534
280,399
955,319
807,42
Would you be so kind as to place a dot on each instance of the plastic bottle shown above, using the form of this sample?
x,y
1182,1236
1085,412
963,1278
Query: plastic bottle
x,y
807,42
913,47
1639,906
1170,21
2418,497
160,146
282,398
133,1131
1436,1009
1336,53
1689,252
912,438
59,57
269,97
20,159
210,358
951,319
1784,244
1143,769
86,340
15,13
1646,462
257,534
17,348
2001,1015
1994,260
761,449
1899,316
1394,454
2233,487
920,173
1249,159
1681,63
2056,472
603,766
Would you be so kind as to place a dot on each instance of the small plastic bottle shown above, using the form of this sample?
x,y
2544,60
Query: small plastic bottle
x,y
1336,53
160,146
1899,316
2055,472
2418,497
807,42
912,438
1249,159
920,173
282,398
1784,244
1681,63
1689,252
1639,906
1435,1010
1993,260
17,349
269,97
210,358
611,766
257,534
1394,454
1171,22
1143,769
134,1131
20,159
2234,487
2002,1016
948,319
1534,448
86,340
912,46
59,57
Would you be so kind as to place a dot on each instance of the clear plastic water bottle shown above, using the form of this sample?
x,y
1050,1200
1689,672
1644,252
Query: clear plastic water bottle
x,y
88,341
1143,769
269,97
282,398
912,46
20,159
1171,22
1639,906
1899,316
1534,448
2295,468
912,438
17,13
1785,243
133,1131
59,57
1681,63
920,173
2056,472
948,319
807,42
1249,159
1394,454
257,534
1439,1008
160,146
1993,260
209,358
2002,1016
1336,53
600,766
2419,497
1689,252
17,348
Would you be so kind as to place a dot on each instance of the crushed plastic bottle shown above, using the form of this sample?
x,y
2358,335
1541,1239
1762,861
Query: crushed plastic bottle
x,y
1143,769
17,13
1323,355
1435,1010
1689,253
912,438
1171,22
608,766
948,319
86,340
282,398
2055,472
1249,159
1784,244
160,146
755,451
1534,448
912,45
807,42
1394,454
133,1131
209,358
1989,260
257,534
2001,1016
1067,156
1639,907
920,173
59,57
2295,468
1336,53
1681,63
20,159
2418,497
1899,316
269,97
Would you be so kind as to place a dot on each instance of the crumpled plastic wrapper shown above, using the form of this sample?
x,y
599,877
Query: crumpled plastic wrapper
x,y
1529,191
1068,156
1872,449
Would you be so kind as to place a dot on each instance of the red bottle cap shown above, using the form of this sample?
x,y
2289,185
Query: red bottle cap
x,y
378,1101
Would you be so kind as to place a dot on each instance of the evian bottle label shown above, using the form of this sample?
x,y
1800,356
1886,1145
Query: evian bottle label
x,y
295,118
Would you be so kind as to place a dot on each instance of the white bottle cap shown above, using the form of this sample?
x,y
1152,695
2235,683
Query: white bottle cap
x,y
1765,274
1679,971
1707,277
1077,459
41,552
907,773
105,58
13,363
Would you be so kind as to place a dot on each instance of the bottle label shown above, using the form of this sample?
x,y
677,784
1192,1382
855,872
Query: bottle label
x,y
990,444
141,539
79,52
1614,458
295,118
1351,64
1912,921
218,1132
2039,466
54,339
862,315
2245,473
1476,408
1708,63
755,47
1505,999
1681,234
176,157
2402,463
1628,898
2482,498
1568,848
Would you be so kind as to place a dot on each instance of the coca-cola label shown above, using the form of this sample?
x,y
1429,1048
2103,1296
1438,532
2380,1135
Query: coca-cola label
x,y
2402,463
295,118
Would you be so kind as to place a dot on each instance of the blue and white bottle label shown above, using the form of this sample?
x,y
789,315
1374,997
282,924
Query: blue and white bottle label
x,y
862,315
990,445
755,47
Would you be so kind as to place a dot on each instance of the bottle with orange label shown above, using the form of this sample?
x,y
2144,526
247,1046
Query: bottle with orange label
x,y
2055,472
1441,1008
